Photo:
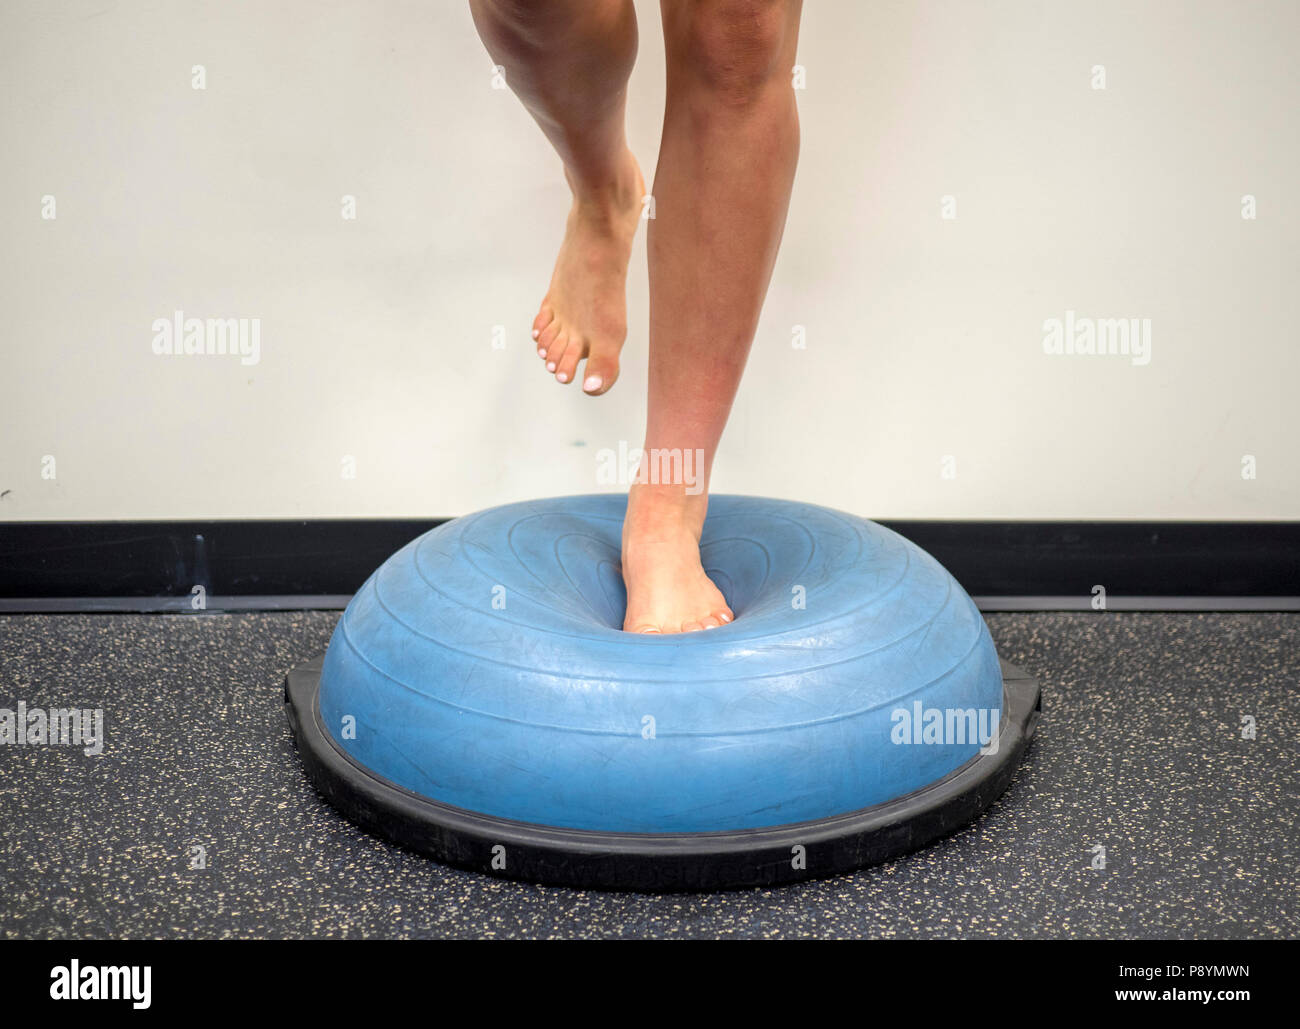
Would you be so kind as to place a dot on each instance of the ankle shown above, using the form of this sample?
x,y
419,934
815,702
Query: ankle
x,y
661,511
606,193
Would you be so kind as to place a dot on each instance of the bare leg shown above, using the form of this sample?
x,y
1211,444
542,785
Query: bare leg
x,y
722,189
569,61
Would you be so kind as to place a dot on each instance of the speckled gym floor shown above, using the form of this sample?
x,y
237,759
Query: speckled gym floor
x,y
1139,751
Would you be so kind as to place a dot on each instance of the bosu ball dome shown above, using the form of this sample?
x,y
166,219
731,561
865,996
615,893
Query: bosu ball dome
x,y
480,703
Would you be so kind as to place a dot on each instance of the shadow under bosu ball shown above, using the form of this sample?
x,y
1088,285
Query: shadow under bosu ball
x,y
479,702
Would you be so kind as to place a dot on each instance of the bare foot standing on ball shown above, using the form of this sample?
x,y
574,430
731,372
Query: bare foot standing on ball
x,y
721,191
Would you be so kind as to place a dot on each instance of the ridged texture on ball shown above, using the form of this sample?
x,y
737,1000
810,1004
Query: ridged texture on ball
x,y
484,666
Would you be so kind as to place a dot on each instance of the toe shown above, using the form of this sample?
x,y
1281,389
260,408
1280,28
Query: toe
x,y
544,318
692,627
567,366
546,341
555,352
710,622
600,373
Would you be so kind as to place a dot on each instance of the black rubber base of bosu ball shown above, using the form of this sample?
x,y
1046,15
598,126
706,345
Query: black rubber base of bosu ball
x,y
659,862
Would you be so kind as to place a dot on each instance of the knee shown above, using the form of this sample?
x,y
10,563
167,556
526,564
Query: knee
x,y
736,48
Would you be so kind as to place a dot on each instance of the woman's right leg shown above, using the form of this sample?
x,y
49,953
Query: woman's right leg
x,y
569,62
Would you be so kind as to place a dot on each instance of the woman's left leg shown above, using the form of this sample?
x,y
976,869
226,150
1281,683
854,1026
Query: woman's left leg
x,y
721,191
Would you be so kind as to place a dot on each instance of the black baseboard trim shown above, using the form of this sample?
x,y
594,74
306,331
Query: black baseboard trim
x,y
1122,603
211,604
191,566
337,602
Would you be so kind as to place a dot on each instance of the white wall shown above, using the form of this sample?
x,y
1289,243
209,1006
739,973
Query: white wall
x,y
924,334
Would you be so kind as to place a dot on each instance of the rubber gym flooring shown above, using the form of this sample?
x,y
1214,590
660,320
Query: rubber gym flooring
x,y
1142,810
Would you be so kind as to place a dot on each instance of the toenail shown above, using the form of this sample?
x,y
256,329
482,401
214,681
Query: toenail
x,y
536,333
562,377
550,366
593,383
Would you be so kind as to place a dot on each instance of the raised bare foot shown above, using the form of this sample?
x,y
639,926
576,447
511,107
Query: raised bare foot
x,y
584,313
667,589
